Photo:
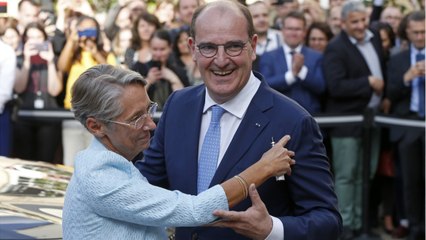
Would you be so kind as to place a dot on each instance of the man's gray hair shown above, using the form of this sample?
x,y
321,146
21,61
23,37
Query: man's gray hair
x,y
97,91
352,6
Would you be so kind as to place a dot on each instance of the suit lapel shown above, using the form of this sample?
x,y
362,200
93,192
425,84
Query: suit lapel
x,y
281,58
253,123
186,138
355,54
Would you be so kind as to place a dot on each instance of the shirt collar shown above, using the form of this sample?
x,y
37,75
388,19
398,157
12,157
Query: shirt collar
x,y
415,51
269,38
368,36
238,105
287,49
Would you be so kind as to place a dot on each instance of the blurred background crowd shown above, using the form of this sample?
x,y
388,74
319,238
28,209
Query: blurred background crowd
x,y
46,44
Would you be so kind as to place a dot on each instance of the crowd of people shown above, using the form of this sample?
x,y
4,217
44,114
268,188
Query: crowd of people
x,y
338,61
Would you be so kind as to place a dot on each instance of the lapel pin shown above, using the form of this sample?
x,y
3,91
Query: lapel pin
x,y
257,124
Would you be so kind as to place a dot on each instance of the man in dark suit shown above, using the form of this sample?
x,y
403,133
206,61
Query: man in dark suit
x,y
295,70
406,72
303,206
353,68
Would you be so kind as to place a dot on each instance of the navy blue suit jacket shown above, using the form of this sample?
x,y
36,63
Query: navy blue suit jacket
x,y
307,92
305,201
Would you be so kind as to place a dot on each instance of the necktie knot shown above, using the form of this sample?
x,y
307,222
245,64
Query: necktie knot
x,y
217,113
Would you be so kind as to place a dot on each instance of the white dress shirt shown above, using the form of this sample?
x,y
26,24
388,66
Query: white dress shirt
x,y
414,102
274,40
289,77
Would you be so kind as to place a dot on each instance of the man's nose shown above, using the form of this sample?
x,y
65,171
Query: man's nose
x,y
221,57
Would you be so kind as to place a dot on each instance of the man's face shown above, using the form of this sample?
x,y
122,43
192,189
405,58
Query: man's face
x,y
393,16
293,32
355,25
416,33
223,75
186,10
28,13
260,16
334,20
126,140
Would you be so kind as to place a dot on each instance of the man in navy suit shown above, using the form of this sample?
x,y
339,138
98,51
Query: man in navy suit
x,y
406,90
354,70
304,206
295,70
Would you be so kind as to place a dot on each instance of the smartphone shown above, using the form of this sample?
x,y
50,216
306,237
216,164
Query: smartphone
x,y
88,32
41,47
154,63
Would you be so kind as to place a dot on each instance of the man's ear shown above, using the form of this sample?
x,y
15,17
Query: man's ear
x,y
253,47
191,45
95,127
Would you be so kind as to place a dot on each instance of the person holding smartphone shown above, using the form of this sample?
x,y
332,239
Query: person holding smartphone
x,y
163,75
37,83
83,49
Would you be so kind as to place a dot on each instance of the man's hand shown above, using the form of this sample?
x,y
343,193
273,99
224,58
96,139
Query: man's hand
x,y
377,84
254,223
298,62
414,71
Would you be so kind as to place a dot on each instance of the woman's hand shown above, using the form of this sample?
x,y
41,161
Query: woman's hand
x,y
172,78
278,159
30,49
154,75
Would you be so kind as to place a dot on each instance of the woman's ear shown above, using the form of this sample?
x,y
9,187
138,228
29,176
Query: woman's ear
x,y
95,127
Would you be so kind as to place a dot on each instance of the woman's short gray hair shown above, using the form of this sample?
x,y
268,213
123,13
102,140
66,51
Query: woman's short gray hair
x,y
97,90
352,6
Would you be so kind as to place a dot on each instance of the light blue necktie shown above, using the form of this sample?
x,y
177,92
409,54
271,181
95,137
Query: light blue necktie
x,y
210,150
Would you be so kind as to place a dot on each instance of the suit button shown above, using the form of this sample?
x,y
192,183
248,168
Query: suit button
x,y
194,236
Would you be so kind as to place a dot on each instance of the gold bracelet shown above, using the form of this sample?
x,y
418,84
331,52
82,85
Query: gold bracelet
x,y
243,184
244,181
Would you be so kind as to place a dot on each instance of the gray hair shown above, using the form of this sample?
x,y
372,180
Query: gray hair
x,y
352,6
224,5
97,90
416,16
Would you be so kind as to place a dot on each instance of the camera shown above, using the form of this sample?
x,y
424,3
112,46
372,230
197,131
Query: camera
x,y
88,32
